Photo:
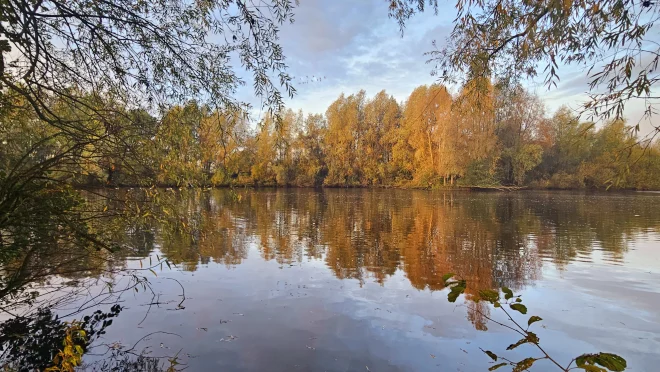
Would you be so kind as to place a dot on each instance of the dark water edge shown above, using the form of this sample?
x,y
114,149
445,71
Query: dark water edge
x,y
350,279
456,188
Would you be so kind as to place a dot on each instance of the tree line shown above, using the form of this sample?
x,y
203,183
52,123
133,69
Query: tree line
x,y
484,135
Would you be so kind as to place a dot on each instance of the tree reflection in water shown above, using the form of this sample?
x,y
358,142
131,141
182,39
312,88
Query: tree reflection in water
x,y
489,239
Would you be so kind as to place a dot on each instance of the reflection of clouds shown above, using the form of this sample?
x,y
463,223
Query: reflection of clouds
x,y
370,235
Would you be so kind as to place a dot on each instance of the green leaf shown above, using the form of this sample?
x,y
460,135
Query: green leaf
x,y
533,319
518,299
582,359
524,364
491,355
497,304
530,338
489,295
612,362
520,342
447,277
455,292
519,307
496,366
507,293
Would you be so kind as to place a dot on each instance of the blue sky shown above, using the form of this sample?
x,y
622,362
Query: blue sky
x,y
353,45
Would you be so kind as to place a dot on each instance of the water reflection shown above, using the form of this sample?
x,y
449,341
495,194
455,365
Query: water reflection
x,y
490,239
342,279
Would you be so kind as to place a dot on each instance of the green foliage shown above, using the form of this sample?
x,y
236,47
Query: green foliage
x,y
611,362
529,338
28,343
447,276
491,355
588,362
524,365
456,287
533,319
480,173
489,295
519,308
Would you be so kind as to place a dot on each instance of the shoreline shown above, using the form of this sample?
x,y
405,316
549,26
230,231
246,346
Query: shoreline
x,y
375,187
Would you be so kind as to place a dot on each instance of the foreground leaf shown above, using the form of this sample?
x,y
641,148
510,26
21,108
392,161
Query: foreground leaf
x,y
491,355
489,295
524,364
507,293
610,361
519,307
518,343
531,338
455,292
496,366
533,319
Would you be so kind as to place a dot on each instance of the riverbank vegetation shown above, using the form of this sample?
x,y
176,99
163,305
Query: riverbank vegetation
x,y
502,137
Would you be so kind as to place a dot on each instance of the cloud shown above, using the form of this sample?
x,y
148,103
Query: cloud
x,y
353,45
572,91
343,46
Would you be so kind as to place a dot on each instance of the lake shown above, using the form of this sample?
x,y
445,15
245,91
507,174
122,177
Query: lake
x,y
351,279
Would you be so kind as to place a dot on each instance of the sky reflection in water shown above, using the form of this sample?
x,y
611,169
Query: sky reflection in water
x,y
350,280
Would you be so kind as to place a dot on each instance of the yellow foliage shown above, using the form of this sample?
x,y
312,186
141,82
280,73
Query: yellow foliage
x,y
70,356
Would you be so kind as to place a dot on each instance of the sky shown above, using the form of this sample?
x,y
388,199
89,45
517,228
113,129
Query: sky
x,y
343,46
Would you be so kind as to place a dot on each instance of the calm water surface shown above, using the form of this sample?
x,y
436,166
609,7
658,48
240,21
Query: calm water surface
x,y
350,280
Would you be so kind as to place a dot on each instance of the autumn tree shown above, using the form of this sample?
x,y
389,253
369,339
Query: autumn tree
x,y
427,119
284,135
381,121
566,146
178,145
222,135
518,115
87,76
476,142
610,158
309,151
345,118
265,156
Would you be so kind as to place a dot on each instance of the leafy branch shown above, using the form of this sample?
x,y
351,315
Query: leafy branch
x,y
504,297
